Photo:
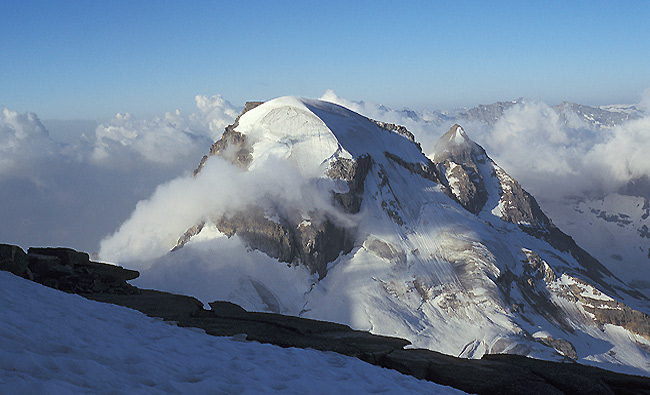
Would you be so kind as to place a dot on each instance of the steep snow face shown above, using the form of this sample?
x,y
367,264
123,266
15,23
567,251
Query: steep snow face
x,y
453,255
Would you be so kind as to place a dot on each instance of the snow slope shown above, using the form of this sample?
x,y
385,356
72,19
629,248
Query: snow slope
x,y
616,229
55,343
413,263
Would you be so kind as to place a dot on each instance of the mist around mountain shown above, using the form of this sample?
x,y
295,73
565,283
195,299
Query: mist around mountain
x,y
306,208
585,165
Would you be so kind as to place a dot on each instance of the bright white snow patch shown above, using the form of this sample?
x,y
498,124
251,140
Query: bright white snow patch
x,y
52,342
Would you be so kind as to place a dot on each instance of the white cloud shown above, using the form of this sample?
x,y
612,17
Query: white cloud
x,y
221,188
623,156
557,155
225,269
165,140
74,193
644,104
216,112
552,153
535,145
23,140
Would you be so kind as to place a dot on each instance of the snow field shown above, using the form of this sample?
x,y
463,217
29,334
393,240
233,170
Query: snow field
x,y
54,343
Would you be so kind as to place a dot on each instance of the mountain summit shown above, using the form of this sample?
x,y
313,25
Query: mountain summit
x,y
449,252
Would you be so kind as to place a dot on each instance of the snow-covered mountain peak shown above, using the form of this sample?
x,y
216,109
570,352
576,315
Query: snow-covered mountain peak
x,y
460,162
449,252
331,150
311,132
456,136
454,142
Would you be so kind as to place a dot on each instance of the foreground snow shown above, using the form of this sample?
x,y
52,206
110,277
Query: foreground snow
x,y
52,342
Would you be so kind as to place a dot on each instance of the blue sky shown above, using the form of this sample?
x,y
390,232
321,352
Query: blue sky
x,y
92,59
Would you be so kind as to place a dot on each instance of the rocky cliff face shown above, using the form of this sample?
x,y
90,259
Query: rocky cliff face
x,y
309,243
472,178
470,174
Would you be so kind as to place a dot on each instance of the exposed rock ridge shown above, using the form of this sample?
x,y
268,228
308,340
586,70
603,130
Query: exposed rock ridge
x,y
427,171
610,311
593,269
399,129
538,284
466,169
518,206
534,285
232,145
312,243
191,232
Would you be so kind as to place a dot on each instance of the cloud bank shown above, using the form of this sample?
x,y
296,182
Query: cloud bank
x,y
165,140
220,189
23,141
552,151
74,193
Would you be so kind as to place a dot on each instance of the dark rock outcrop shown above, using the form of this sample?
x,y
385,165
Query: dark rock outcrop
x,y
274,238
354,172
399,129
13,259
191,232
66,269
311,243
427,170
